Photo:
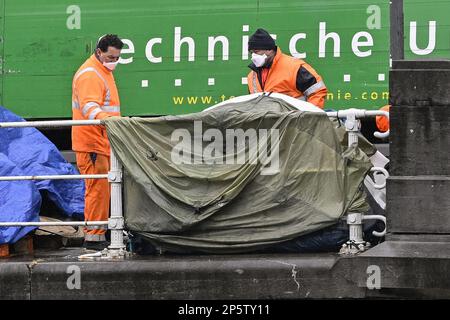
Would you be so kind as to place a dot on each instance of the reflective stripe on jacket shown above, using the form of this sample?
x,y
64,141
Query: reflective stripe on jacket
x,y
94,96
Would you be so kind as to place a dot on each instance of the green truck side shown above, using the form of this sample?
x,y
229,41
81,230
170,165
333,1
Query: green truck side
x,y
183,56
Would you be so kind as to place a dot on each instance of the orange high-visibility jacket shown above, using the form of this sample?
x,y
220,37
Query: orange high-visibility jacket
x,y
290,76
383,122
94,96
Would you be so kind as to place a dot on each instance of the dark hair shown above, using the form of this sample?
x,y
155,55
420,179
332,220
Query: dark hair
x,y
109,40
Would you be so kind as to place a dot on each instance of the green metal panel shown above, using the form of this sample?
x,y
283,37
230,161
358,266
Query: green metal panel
x,y
422,12
352,81
47,40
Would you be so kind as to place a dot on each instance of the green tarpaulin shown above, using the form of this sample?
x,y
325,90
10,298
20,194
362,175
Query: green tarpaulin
x,y
236,178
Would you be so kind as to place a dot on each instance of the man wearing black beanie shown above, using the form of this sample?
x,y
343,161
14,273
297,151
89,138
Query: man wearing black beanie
x,y
273,71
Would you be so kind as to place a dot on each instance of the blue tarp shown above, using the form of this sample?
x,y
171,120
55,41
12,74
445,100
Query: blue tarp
x,y
26,151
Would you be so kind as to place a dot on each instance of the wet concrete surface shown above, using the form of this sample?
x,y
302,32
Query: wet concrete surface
x,y
407,270
253,276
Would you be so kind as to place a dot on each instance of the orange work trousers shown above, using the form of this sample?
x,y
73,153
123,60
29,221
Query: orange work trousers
x,y
97,194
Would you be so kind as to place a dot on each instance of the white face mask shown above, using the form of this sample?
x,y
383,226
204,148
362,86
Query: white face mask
x,y
258,59
110,65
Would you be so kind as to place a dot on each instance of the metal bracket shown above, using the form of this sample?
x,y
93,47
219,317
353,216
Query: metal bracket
x,y
351,247
115,176
377,217
116,223
384,172
352,124
106,255
356,243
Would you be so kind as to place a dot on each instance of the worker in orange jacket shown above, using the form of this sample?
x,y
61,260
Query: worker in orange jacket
x,y
273,71
95,96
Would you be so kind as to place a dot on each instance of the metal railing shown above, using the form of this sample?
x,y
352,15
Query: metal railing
x,y
115,223
355,220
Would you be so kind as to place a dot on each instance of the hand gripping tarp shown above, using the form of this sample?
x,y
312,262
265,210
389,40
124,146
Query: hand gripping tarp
x,y
26,151
186,187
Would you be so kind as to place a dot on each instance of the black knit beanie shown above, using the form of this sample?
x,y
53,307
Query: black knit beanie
x,y
261,40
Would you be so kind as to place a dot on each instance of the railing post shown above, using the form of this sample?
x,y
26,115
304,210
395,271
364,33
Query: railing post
x,y
352,126
116,221
356,242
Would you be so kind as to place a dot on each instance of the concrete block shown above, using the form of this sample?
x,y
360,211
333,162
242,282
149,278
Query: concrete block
x,y
14,280
196,277
418,204
420,140
420,82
